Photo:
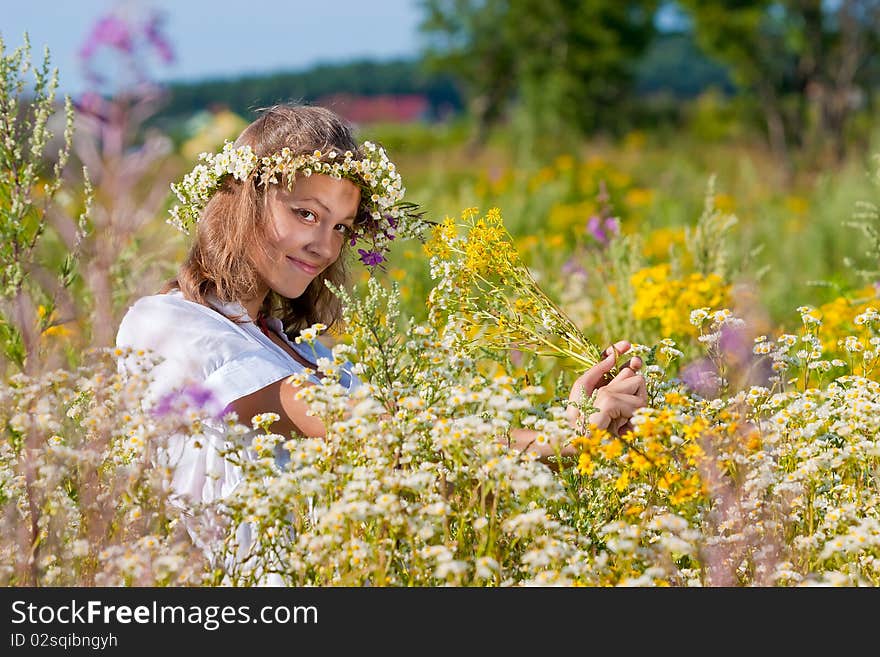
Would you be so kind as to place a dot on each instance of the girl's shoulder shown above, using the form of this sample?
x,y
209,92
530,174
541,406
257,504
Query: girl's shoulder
x,y
170,321
174,307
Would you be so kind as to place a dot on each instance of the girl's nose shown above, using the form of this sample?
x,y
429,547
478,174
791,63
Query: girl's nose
x,y
325,242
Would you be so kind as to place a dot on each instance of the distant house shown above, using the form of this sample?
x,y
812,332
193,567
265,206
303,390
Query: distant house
x,y
388,108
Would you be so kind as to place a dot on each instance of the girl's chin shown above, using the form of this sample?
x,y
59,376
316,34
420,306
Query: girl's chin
x,y
292,290
292,294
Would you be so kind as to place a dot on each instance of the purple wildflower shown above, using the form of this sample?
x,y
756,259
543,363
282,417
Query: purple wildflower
x,y
735,345
602,229
371,258
200,396
572,266
153,32
701,377
109,31
194,397
131,39
92,104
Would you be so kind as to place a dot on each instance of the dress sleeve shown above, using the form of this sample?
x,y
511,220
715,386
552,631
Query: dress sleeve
x,y
196,345
246,372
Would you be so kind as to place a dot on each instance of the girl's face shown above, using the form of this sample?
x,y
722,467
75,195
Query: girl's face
x,y
306,228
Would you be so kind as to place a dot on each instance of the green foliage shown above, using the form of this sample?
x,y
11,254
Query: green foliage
x,y
24,134
713,117
867,222
709,240
29,181
567,64
674,64
804,61
485,66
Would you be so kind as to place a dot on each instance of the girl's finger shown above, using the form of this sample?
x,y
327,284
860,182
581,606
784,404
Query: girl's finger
x,y
625,428
635,364
642,392
600,419
622,346
629,383
632,367
591,379
619,404
623,374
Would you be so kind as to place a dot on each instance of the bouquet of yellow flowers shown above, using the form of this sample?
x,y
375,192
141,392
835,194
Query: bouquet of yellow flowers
x,y
484,282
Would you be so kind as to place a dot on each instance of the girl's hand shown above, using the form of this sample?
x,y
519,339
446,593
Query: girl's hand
x,y
616,400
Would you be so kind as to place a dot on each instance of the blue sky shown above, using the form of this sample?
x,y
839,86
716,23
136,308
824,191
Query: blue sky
x,y
215,38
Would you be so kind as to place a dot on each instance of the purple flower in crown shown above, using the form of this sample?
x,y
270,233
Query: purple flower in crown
x,y
516,357
371,258
602,229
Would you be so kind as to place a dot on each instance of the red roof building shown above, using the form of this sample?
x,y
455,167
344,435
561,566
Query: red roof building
x,y
403,108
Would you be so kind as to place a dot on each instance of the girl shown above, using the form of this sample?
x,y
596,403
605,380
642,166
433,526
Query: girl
x,y
277,214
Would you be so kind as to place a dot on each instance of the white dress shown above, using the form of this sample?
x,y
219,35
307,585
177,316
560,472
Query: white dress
x,y
202,350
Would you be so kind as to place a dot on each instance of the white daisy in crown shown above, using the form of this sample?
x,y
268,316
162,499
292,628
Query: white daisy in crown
x,y
386,215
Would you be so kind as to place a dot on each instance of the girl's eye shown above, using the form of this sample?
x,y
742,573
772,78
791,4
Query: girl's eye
x,y
308,215
345,229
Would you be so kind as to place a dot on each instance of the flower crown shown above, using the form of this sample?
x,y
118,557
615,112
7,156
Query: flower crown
x,y
381,189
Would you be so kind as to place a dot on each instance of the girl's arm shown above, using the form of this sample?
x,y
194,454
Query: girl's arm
x,y
279,398
615,402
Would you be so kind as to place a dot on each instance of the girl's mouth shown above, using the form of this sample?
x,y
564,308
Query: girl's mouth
x,y
311,270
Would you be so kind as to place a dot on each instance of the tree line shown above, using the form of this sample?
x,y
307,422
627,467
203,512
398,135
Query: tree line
x,y
808,66
245,95
672,65
567,68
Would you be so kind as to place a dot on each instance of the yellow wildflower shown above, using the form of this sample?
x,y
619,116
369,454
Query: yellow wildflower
x,y
59,330
585,464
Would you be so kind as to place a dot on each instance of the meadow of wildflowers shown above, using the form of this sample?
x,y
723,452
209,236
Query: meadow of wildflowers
x,y
754,464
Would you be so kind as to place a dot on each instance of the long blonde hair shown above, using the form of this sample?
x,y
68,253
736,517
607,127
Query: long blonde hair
x,y
233,224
